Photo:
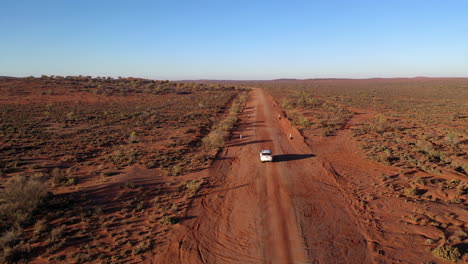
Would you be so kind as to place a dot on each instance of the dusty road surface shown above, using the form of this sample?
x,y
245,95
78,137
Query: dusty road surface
x,y
288,211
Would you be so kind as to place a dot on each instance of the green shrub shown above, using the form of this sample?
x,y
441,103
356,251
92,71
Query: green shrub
x,y
124,156
414,191
167,220
452,138
447,252
175,170
193,186
214,140
133,137
381,124
217,137
303,122
70,116
286,104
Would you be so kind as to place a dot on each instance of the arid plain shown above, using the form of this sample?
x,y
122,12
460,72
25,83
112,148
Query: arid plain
x,y
103,170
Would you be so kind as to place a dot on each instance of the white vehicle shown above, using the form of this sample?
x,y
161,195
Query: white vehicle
x,y
265,155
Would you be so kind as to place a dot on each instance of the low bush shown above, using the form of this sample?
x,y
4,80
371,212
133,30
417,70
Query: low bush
x,y
381,124
220,132
59,177
20,198
11,254
10,237
133,137
57,233
193,186
124,156
447,252
175,170
414,192
40,227
214,140
167,220
141,247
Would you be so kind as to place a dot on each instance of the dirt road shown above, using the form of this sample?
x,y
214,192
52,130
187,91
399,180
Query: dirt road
x,y
288,211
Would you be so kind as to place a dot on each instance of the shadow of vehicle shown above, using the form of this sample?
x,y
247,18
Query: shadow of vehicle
x,y
288,157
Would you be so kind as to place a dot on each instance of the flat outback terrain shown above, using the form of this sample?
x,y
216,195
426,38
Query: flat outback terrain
x,y
103,170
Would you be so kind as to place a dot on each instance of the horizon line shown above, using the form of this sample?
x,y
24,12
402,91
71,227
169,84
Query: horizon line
x,y
245,80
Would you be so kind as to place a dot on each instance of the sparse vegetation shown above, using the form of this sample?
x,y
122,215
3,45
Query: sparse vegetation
x,y
75,128
417,126
221,131
141,247
193,186
410,128
167,220
447,252
310,112
130,127
20,198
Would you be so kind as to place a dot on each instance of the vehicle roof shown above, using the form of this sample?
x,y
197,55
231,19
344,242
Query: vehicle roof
x,y
266,151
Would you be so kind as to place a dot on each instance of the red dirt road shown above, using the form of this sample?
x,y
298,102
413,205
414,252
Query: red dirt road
x,y
288,211
321,201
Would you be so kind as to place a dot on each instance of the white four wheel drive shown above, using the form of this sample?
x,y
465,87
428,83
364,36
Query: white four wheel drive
x,y
265,155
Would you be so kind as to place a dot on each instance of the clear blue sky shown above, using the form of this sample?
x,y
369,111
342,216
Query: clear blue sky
x,y
234,39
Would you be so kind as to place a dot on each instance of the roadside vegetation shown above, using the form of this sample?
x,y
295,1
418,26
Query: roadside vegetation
x,y
416,126
63,138
418,123
312,113
221,130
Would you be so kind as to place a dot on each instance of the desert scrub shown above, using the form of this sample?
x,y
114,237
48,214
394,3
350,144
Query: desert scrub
x,y
124,156
447,252
221,131
381,124
214,140
175,170
61,177
133,137
10,237
298,119
11,254
142,247
20,198
56,234
414,192
193,186
304,109
167,220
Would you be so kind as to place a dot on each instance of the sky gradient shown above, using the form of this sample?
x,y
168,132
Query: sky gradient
x,y
235,39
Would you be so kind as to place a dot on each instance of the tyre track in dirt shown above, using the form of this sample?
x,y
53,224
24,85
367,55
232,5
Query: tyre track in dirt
x,y
288,211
